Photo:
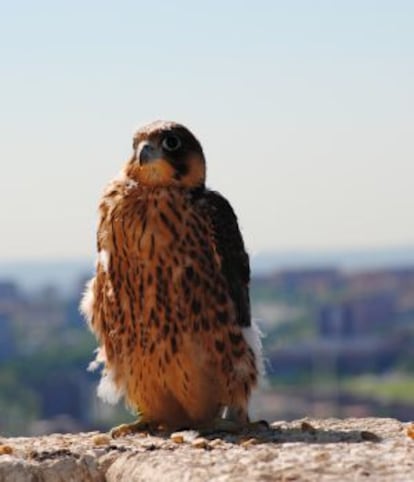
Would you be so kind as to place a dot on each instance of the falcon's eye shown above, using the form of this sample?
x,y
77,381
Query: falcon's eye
x,y
171,143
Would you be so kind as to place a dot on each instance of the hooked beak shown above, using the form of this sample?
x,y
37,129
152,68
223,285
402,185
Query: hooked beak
x,y
148,152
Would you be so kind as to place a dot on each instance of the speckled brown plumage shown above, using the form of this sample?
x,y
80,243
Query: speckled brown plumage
x,y
170,297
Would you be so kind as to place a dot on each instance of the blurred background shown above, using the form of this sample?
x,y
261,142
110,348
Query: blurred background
x,y
306,114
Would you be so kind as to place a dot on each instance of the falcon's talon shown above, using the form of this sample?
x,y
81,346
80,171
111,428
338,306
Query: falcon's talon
x,y
221,425
233,426
259,426
129,428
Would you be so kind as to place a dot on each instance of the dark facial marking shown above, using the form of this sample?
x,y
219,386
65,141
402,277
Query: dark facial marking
x,y
177,142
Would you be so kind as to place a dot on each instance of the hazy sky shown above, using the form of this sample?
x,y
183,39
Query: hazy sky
x,y
305,110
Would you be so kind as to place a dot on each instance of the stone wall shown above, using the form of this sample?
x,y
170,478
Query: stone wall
x,y
304,450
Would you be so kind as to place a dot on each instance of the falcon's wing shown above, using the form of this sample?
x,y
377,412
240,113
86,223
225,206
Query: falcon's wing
x,y
95,302
230,249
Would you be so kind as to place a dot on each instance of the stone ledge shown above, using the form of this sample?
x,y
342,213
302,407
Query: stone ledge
x,y
305,450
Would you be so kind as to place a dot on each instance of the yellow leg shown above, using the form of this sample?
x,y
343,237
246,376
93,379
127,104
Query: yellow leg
x,y
141,425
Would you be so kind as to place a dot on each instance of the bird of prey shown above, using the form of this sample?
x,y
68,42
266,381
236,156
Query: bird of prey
x,y
169,303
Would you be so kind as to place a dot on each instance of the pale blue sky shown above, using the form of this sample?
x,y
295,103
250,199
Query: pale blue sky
x,y
305,110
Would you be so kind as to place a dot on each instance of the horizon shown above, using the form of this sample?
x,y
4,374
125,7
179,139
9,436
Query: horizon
x,y
284,250
65,274
305,113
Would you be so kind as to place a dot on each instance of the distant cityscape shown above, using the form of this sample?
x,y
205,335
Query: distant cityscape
x,y
344,341
337,343
34,274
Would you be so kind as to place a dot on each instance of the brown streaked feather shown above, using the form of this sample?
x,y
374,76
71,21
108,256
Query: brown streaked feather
x,y
165,308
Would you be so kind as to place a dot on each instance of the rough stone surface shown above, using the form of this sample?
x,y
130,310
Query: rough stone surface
x,y
303,450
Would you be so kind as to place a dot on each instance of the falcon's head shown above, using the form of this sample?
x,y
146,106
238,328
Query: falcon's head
x,y
166,154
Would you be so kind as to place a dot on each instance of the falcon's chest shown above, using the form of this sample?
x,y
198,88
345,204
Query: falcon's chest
x,y
162,269
157,223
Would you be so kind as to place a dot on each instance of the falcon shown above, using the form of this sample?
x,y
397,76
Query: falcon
x,y
169,303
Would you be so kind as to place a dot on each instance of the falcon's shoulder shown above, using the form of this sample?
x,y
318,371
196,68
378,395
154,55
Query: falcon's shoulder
x,y
230,248
113,198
